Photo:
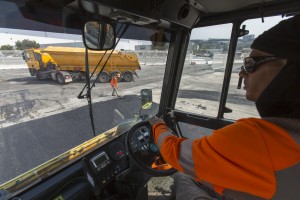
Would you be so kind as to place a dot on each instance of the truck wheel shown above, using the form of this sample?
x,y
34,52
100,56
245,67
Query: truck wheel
x,y
60,78
79,77
104,77
127,76
38,76
115,73
32,72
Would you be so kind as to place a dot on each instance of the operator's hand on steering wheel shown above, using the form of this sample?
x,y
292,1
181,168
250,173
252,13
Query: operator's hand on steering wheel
x,y
143,151
155,120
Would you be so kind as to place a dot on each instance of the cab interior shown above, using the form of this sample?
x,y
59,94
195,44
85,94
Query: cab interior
x,y
109,166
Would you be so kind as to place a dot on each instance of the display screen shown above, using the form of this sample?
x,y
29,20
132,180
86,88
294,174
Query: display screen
x,y
98,161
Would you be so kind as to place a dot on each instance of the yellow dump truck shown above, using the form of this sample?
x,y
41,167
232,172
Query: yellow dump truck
x,y
67,64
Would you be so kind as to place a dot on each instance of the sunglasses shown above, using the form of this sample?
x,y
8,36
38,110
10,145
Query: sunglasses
x,y
251,63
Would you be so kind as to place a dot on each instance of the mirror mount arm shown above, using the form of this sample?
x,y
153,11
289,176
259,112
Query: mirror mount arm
x,y
101,39
89,94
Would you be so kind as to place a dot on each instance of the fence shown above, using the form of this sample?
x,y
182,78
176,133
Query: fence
x,y
153,57
219,61
11,57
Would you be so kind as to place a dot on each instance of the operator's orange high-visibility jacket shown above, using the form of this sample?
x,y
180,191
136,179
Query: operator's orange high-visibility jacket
x,y
114,82
252,157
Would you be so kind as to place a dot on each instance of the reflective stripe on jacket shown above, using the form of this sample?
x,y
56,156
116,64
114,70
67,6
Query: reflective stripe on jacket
x,y
250,159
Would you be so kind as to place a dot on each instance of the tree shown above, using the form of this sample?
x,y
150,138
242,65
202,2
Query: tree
x,y
26,44
6,47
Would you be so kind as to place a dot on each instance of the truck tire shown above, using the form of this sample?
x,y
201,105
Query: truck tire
x,y
104,77
115,73
128,77
38,76
60,78
80,77
32,71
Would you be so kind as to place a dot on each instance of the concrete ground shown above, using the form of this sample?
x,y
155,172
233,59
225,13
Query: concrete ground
x,y
161,188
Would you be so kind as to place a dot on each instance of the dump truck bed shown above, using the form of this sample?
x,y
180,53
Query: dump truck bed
x,y
72,58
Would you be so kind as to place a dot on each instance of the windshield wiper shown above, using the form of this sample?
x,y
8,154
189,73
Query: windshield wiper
x,y
87,86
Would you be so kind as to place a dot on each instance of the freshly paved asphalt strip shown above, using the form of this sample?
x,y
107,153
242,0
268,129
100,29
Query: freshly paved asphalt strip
x,y
29,144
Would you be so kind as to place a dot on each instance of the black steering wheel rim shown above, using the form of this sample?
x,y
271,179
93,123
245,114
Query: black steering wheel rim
x,y
136,160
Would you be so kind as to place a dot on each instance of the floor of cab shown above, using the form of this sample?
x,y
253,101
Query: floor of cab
x,y
161,188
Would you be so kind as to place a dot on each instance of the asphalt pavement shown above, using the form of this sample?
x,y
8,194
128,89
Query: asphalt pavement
x,y
29,144
42,119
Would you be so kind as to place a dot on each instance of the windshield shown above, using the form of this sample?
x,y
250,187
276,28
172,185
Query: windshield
x,y
42,74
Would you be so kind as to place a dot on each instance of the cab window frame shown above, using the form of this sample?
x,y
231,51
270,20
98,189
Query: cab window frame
x,y
175,69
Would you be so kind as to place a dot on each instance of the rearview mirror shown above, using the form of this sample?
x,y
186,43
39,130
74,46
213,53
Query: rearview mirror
x,y
99,35
146,96
159,40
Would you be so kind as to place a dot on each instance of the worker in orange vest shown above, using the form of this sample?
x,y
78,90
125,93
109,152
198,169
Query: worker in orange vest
x,y
253,158
114,84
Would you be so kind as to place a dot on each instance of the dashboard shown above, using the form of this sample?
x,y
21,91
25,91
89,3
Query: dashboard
x,y
109,171
111,161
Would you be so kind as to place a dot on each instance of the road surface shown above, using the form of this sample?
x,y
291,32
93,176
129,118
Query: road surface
x,y
42,119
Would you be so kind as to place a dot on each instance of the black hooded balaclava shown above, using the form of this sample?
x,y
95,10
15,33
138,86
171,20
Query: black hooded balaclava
x,y
281,98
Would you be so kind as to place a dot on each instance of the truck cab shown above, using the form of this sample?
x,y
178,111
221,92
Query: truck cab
x,y
38,61
76,141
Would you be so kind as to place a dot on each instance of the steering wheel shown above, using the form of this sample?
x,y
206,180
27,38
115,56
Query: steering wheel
x,y
144,153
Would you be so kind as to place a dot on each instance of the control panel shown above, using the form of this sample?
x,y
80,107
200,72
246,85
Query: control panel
x,y
109,163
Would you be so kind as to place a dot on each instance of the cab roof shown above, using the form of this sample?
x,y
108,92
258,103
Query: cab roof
x,y
157,14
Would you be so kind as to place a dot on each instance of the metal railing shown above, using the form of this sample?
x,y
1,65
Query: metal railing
x,y
11,57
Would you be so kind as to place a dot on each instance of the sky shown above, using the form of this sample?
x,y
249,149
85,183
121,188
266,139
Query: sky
x,y
254,26
10,36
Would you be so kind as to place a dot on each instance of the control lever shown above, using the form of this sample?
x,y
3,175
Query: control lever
x,y
123,174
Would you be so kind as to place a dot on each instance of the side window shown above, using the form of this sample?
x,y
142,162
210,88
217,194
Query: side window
x,y
202,77
30,54
201,82
236,99
193,131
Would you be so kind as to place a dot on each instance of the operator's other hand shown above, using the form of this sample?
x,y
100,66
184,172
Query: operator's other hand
x,y
155,120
